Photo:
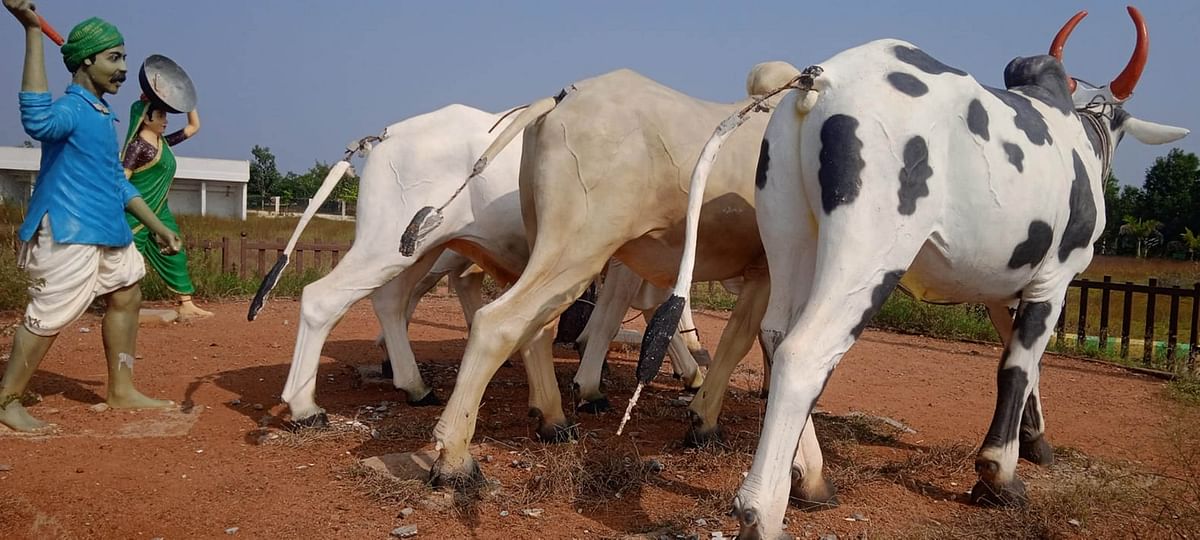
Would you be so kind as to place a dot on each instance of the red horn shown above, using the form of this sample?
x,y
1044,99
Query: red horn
x,y
1060,40
1122,86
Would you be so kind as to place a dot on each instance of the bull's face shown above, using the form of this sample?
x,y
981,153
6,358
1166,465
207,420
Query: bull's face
x,y
1105,104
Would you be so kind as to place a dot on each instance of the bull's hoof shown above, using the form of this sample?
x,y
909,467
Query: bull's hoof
x,y
429,400
557,433
750,526
467,479
385,369
1037,451
316,421
1010,494
823,496
595,406
698,437
691,390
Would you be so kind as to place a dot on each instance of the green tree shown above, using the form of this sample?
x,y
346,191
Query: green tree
x,y
1140,230
1191,241
264,175
1171,193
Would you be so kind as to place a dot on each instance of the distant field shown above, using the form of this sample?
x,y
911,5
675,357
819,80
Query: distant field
x,y
1169,273
265,228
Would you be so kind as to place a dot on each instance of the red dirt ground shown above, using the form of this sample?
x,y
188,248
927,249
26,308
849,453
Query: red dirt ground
x,y
197,473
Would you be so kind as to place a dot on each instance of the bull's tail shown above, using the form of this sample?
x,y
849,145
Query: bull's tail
x,y
335,174
428,218
666,318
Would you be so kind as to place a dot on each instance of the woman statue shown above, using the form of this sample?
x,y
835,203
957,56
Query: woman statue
x,y
150,166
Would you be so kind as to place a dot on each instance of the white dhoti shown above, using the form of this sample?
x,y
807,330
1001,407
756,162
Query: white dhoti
x,y
68,277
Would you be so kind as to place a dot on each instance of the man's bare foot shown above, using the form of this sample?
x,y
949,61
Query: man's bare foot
x,y
189,311
17,418
133,399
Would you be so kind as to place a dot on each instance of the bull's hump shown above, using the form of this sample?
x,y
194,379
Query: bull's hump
x,y
619,97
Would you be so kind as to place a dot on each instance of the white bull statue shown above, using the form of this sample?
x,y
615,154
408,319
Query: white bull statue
x,y
887,168
604,174
418,161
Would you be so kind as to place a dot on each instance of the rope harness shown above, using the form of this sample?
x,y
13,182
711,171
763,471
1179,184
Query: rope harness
x,y
1092,115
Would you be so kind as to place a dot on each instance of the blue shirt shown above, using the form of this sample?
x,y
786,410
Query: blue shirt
x,y
81,183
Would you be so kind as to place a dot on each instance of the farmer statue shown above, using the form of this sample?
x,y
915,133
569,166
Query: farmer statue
x,y
150,165
76,243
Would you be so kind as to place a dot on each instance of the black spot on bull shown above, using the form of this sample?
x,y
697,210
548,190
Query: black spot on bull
x,y
914,175
572,321
1119,116
921,60
1082,221
1027,118
1033,249
908,84
1016,156
764,161
878,297
1042,78
841,162
977,119
1011,383
1030,323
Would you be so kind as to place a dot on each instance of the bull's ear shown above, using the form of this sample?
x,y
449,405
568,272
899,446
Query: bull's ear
x,y
1152,133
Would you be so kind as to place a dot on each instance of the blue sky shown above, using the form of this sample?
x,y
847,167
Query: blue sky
x,y
305,77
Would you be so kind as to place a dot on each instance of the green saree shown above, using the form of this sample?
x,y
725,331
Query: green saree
x,y
154,180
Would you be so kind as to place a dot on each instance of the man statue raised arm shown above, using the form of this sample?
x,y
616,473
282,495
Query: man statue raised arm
x,y
76,244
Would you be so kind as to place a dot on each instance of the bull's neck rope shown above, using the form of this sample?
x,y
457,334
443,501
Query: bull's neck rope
x,y
1094,113
1093,118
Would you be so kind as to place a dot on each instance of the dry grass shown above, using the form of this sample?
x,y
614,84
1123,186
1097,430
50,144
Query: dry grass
x,y
1080,496
340,430
586,474
384,488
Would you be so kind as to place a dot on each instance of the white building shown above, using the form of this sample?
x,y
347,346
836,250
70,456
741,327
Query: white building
x,y
206,187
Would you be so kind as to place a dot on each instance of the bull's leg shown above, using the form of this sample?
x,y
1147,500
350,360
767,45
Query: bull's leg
x,y
765,387
810,489
446,264
1034,447
544,290
1016,381
618,291
322,305
545,400
691,336
393,303
736,340
803,362
468,286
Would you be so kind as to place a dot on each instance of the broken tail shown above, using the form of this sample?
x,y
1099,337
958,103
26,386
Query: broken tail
x,y
272,278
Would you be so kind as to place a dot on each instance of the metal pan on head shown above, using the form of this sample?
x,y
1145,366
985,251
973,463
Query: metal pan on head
x,y
166,84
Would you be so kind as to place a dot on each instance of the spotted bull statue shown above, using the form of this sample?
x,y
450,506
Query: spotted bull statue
x,y
886,168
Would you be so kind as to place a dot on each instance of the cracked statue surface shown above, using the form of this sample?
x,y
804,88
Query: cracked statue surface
x,y
76,245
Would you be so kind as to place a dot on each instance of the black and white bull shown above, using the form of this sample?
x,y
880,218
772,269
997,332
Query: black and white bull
x,y
889,168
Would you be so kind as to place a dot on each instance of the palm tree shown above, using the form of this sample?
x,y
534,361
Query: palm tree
x,y
1192,241
1141,230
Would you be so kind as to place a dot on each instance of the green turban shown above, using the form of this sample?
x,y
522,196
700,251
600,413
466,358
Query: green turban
x,y
88,38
